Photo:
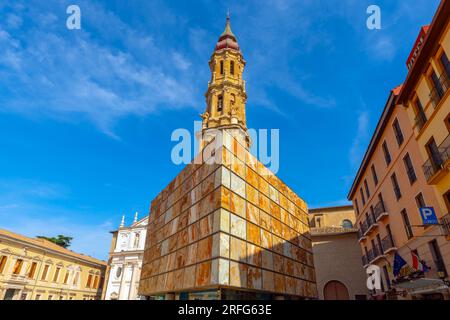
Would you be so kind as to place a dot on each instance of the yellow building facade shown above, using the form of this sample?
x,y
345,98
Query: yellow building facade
x,y
37,269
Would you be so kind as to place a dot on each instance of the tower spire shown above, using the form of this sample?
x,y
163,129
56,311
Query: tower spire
x,y
136,217
122,223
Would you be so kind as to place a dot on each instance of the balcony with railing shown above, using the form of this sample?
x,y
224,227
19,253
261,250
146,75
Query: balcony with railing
x,y
371,224
445,223
380,211
439,90
365,261
388,245
362,231
375,253
434,167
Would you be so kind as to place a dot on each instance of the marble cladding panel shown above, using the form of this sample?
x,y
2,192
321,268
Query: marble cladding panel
x,y
232,224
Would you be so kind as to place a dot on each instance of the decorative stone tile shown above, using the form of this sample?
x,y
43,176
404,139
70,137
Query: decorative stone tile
x,y
183,238
268,280
275,210
171,261
267,259
290,285
237,205
238,167
263,186
203,274
226,177
238,226
220,271
273,194
253,255
276,227
238,274
193,214
278,263
193,232
206,225
264,203
183,222
238,249
224,245
204,249
280,285
252,194
237,185
178,280
252,177
254,278
170,281
181,256
165,247
191,254
189,277
225,198
215,245
288,267
253,233
161,284
252,213
265,220
266,239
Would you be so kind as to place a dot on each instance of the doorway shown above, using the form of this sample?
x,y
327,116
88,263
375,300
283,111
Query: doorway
x,y
335,290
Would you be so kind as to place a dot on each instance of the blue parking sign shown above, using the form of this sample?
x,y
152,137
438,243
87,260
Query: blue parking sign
x,y
428,216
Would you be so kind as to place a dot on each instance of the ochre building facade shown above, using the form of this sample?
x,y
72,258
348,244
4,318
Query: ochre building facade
x,y
37,269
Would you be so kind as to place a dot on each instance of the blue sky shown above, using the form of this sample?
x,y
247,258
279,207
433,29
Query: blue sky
x,y
86,115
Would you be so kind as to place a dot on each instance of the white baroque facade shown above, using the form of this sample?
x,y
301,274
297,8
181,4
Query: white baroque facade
x,y
125,261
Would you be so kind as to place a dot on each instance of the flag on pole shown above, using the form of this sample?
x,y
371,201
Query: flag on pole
x,y
418,264
399,264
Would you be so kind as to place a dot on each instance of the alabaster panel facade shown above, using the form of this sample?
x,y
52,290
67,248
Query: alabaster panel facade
x,y
232,223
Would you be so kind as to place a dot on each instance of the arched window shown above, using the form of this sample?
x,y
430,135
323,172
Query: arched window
x,y
232,67
221,67
220,103
347,224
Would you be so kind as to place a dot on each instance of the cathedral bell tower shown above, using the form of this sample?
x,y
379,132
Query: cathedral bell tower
x,y
226,96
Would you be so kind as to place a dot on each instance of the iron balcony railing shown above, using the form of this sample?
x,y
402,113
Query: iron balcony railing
x,y
365,262
370,220
436,163
362,229
439,91
379,209
445,221
387,243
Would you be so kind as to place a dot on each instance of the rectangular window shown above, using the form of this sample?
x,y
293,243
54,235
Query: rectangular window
x,y
66,277
374,175
220,103
395,185
75,279
3,260
421,118
381,200
232,67
420,201
398,132
438,88
38,297
437,258
18,266
410,169
362,197
407,224
367,189
50,297
435,155
56,275
221,67
45,272
32,271
89,281
95,282
445,64
387,155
